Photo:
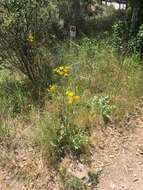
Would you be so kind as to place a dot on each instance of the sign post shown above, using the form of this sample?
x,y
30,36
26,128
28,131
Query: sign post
x,y
73,32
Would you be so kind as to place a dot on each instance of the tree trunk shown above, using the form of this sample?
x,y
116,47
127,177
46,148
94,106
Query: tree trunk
x,y
76,12
137,15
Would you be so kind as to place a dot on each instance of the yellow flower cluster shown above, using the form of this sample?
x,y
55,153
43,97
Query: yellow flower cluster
x,y
52,88
62,71
30,38
72,97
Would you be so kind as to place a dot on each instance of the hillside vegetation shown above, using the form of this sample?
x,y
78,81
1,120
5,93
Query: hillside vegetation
x,y
56,93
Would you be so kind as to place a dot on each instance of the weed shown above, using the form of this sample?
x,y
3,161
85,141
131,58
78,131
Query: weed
x,y
102,106
71,182
57,139
94,177
13,97
3,130
74,184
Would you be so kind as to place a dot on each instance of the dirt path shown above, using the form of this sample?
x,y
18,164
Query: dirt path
x,y
121,161
125,172
6,183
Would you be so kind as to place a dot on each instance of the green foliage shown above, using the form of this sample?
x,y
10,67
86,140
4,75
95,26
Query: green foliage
x,y
93,75
13,97
94,177
57,139
15,101
71,138
27,43
102,22
17,96
124,41
24,38
89,47
120,36
74,184
71,182
135,42
28,32
3,130
139,41
102,106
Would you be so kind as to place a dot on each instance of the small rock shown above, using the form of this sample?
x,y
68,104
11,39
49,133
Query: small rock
x,y
89,184
123,186
111,156
81,167
141,150
137,154
116,149
136,179
113,186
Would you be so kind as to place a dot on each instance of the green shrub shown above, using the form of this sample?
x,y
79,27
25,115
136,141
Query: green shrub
x,y
57,139
15,96
102,106
74,184
71,182
25,34
124,41
94,177
88,47
120,36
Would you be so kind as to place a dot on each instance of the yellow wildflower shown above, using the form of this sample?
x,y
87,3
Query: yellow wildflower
x,y
52,88
72,97
62,71
30,38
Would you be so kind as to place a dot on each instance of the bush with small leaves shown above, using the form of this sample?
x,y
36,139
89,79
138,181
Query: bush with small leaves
x,y
25,35
57,139
71,182
120,36
102,106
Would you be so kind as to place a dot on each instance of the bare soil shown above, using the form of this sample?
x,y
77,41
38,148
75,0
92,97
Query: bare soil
x,y
125,171
117,154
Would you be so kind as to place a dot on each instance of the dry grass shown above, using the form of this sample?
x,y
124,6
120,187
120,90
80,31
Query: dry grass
x,y
36,131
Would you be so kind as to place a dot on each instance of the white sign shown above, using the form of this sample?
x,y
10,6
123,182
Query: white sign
x,y
73,32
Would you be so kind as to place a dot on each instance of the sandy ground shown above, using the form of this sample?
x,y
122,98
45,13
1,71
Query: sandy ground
x,y
125,171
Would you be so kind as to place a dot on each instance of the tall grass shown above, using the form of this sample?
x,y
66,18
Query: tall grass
x,y
96,70
108,86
